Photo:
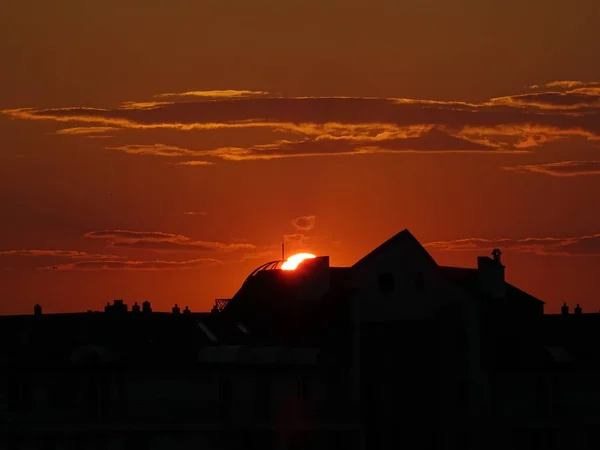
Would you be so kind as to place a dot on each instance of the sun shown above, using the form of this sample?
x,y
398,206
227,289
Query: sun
x,y
294,260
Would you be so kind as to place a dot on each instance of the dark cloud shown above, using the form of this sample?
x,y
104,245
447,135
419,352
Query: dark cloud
x,y
135,265
569,246
560,169
304,223
159,241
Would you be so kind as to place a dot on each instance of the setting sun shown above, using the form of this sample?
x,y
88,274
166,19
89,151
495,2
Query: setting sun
x,y
294,260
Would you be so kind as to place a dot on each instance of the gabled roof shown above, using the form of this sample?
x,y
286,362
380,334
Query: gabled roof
x,y
403,235
468,280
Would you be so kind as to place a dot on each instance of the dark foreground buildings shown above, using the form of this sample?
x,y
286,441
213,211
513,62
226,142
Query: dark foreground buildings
x,y
395,351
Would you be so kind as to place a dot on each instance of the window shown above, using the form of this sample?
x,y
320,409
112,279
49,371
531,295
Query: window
x,y
386,282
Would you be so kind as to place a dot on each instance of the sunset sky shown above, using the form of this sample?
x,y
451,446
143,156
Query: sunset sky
x,y
154,150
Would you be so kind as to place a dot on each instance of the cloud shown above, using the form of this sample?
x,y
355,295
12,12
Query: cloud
x,y
431,141
264,255
134,265
224,93
85,130
304,223
554,246
346,125
297,238
159,241
194,213
560,169
571,84
570,100
195,163
153,150
143,105
71,254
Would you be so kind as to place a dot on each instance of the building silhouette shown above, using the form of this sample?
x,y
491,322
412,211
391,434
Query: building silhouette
x,y
393,351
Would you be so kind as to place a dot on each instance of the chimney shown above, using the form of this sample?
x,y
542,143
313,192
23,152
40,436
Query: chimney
x,y
176,309
577,310
146,307
564,309
490,272
37,310
107,308
135,308
187,310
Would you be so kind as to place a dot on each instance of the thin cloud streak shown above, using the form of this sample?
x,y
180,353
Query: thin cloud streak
x,y
134,265
217,93
85,130
430,141
546,246
159,241
560,168
71,254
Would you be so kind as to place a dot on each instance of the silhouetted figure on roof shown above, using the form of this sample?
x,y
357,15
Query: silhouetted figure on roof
x,y
496,253
135,308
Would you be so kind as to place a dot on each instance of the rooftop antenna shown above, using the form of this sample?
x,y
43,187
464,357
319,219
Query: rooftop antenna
x,y
282,251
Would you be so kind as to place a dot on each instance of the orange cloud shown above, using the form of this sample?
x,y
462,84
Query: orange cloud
x,y
195,163
155,150
550,246
571,84
374,124
224,93
159,241
85,130
432,141
143,105
560,169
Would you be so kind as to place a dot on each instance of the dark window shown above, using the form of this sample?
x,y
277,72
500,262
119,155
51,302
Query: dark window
x,y
387,282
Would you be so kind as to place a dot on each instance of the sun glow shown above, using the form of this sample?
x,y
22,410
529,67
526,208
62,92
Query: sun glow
x,y
294,260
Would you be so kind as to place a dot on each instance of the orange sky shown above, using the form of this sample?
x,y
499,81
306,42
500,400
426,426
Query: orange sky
x,y
119,119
